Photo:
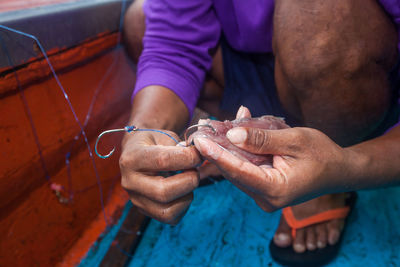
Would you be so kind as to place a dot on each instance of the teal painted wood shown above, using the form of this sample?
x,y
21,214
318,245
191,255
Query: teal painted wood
x,y
224,227
99,249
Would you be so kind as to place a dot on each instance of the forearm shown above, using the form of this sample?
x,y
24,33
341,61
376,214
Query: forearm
x,y
375,163
160,108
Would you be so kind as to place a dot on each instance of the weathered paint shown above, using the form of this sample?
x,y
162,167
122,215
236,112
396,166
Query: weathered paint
x,y
35,228
11,5
224,227
37,68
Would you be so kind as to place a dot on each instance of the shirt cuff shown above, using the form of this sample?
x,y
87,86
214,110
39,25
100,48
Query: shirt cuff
x,y
187,91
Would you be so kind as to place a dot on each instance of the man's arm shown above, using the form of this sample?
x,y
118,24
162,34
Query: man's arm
x,y
158,107
376,162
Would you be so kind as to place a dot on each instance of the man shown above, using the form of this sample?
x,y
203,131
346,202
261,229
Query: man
x,y
333,65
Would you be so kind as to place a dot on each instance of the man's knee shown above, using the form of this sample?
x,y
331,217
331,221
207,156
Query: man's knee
x,y
315,40
134,28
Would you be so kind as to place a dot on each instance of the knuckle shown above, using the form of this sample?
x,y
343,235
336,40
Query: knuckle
x,y
193,156
162,160
167,215
297,133
259,139
264,206
125,182
195,179
275,204
124,161
161,193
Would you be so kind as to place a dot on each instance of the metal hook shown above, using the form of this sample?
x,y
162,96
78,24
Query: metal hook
x,y
197,125
125,129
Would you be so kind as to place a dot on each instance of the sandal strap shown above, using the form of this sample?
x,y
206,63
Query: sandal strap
x,y
339,213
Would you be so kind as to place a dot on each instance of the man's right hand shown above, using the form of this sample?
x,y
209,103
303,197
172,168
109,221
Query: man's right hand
x,y
144,156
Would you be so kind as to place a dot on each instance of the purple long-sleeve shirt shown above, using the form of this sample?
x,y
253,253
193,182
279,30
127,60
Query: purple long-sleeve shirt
x,y
180,34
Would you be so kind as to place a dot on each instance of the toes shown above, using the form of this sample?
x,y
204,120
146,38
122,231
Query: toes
x,y
310,238
282,237
299,242
321,235
334,228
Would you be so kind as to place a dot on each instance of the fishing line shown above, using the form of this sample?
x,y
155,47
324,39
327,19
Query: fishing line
x,y
27,111
94,98
87,118
81,126
69,104
88,115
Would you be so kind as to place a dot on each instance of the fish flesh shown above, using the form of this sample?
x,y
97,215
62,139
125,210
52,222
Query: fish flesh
x,y
217,133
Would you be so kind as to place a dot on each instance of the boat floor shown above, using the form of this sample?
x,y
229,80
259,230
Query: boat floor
x,y
224,227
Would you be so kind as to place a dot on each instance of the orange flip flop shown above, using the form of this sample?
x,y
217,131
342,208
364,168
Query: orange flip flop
x,y
288,257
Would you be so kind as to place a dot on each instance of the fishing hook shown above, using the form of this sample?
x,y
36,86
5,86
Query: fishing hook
x,y
197,125
134,128
125,129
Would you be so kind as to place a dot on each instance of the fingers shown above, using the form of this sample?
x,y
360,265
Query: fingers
x,y
159,158
208,169
164,199
243,112
160,189
260,141
170,213
237,170
145,154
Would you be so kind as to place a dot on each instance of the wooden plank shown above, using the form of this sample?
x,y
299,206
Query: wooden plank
x,y
36,228
127,239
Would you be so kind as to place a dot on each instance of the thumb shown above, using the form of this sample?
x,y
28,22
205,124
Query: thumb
x,y
243,112
261,141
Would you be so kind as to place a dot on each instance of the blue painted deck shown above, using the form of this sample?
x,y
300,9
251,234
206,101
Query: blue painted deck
x,y
224,227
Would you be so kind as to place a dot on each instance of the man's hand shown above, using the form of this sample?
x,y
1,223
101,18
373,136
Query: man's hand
x,y
306,163
144,156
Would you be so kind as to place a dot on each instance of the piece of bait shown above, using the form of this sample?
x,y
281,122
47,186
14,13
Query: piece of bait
x,y
216,131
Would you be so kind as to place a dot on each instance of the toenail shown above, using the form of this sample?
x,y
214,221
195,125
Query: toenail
x,y
282,237
311,246
299,248
321,244
333,237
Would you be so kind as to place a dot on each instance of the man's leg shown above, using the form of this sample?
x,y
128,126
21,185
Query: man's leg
x,y
134,28
332,63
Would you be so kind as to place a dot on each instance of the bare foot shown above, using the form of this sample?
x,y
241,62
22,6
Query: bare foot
x,y
316,236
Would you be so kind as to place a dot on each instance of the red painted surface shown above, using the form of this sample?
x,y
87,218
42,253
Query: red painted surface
x,y
92,232
36,229
60,58
11,5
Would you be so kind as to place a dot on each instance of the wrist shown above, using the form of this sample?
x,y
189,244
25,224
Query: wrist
x,y
160,108
356,164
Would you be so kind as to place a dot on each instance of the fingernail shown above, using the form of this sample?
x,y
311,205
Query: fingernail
x,y
202,121
206,147
237,135
200,143
240,112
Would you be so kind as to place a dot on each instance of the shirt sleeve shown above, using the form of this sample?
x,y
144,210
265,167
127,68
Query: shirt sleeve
x,y
176,47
